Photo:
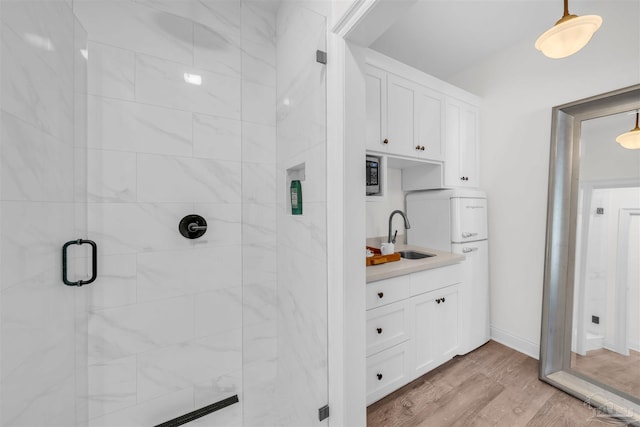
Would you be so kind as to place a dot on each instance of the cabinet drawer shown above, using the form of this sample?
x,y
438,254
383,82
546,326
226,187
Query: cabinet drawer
x,y
430,280
388,326
387,371
387,291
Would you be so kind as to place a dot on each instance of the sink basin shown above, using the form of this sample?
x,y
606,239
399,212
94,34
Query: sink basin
x,y
413,255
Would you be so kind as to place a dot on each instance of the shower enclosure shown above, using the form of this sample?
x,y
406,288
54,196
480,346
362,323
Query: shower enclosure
x,y
119,118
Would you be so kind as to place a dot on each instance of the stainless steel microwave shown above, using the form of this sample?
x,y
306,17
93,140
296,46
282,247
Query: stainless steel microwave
x,y
373,175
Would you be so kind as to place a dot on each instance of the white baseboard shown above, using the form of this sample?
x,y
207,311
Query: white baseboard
x,y
519,344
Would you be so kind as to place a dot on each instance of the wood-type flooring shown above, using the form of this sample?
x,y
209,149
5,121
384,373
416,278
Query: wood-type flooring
x,y
491,386
608,367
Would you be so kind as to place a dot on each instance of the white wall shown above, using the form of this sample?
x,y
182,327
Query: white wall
x,y
601,158
379,208
519,86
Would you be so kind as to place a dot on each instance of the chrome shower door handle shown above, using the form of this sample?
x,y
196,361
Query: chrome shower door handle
x,y
94,262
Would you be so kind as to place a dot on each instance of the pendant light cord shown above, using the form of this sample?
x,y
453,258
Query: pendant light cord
x,y
566,8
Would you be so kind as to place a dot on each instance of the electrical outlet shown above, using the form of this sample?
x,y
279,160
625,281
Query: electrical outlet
x,y
595,319
599,211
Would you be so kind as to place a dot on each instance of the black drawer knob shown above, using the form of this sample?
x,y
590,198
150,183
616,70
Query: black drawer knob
x,y
380,294
386,141
379,330
443,299
379,375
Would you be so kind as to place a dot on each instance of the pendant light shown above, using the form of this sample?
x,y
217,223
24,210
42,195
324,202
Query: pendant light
x,y
570,34
631,139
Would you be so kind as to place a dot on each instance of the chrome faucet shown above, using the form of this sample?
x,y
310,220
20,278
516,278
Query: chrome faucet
x,y
406,225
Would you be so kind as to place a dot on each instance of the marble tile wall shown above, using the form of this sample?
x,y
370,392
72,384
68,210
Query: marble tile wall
x,y
176,324
39,316
302,246
171,324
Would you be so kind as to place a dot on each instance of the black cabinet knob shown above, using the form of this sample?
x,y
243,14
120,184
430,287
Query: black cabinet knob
x,y
379,330
380,294
379,375
386,141
417,148
422,148
438,300
443,300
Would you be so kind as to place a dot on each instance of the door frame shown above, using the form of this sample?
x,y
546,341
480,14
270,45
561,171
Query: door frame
x,y
351,30
621,342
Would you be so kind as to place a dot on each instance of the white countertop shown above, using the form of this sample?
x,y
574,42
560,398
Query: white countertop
x,y
408,266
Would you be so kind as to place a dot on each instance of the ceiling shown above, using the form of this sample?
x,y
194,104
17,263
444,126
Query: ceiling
x,y
444,37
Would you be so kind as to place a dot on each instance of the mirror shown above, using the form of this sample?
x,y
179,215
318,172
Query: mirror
x,y
590,343
606,302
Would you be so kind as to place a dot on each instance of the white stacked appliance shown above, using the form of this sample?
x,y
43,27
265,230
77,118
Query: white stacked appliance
x,y
456,221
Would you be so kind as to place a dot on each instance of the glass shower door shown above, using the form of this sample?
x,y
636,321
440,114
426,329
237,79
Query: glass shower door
x,y
302,239
42,206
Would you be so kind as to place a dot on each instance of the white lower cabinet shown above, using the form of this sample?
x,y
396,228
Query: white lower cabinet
x,y
436,329
388,326
387,371
411,336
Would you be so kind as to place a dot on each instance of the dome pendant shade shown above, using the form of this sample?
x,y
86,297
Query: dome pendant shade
x,y
631,139
570,34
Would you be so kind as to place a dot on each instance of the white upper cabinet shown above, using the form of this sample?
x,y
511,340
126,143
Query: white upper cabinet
x,y
428,124
400,111
461,130
403,118
416,116
376,90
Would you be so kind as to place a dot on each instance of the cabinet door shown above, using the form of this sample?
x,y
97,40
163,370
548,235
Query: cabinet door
x,y
469,146
400,113
461,129
453,119
425,337
447,322
388,326
376,106
436,329
387,371
428,124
